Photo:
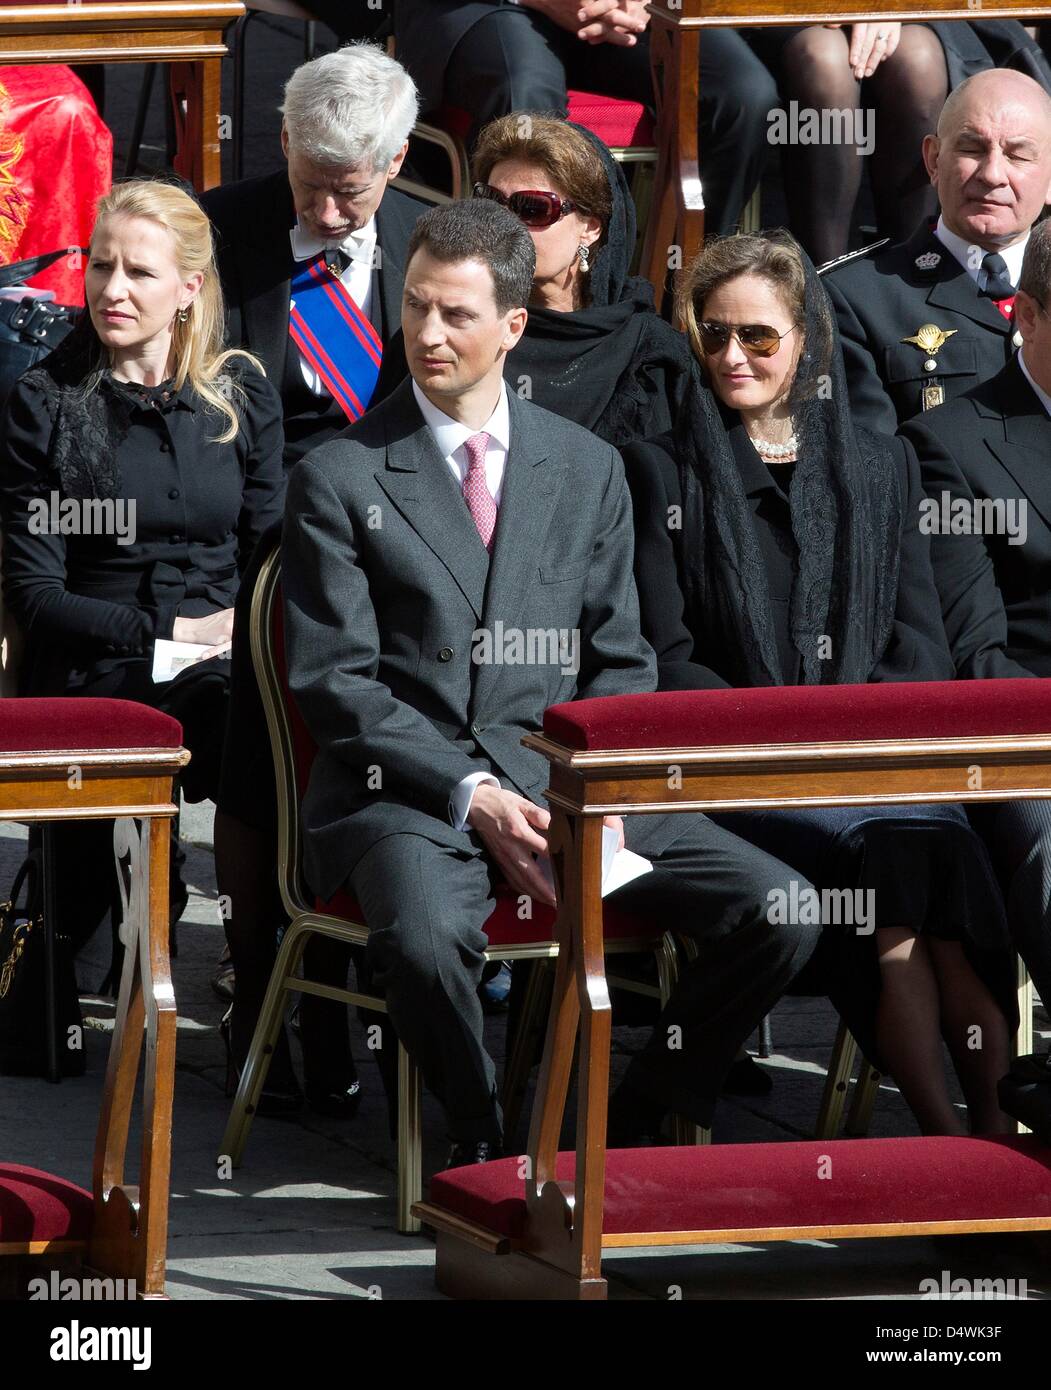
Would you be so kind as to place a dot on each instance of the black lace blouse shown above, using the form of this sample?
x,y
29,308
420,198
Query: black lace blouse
x,y
120,513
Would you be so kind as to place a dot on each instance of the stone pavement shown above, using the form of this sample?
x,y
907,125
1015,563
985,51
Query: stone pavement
x,y
309,1214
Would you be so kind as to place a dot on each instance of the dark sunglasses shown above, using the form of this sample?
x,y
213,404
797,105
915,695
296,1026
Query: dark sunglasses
x,y
758,338
534,208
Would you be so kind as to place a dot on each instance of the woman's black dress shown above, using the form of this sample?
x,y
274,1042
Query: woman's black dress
x,y
744,581
91,606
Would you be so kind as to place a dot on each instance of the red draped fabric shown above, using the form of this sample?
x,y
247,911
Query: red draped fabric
x,y
56,162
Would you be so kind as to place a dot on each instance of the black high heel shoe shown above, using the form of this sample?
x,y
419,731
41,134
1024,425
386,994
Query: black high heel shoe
x,y
338,1104
273,1101
339,1101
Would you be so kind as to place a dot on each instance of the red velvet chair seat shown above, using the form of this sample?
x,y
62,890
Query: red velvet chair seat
x,y
37,1206
729,1187
505,928
803,714
84,724
619,124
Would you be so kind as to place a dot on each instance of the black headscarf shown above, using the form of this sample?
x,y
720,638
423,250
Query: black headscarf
x,y
846,507
615,366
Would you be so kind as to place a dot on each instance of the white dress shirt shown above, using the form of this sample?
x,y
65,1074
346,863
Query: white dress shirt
x,y
1041,394
450,436
360,246
964,252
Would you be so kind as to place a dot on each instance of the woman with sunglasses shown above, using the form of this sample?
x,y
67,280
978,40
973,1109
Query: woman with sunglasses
x,y
777,544
594,350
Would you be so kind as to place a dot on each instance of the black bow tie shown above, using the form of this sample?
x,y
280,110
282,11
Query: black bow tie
x,y
998,282
336,260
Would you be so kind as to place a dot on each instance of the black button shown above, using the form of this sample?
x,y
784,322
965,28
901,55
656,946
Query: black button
x,y
174,493
446,654
477,729
175,539
166,448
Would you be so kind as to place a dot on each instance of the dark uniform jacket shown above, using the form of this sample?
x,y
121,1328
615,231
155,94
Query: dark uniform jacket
x,y
992,443
891,293
252,221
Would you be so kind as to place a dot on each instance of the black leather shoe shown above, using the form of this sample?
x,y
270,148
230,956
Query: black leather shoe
x,y
473,1151
1025,1093
338,1103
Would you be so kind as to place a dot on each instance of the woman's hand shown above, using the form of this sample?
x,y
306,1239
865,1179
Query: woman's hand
x,y
869,45
216,631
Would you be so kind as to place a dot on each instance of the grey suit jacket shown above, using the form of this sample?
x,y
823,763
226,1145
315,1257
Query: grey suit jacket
x,y
401,630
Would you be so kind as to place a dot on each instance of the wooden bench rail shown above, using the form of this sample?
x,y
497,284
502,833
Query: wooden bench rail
x,y
134,786
564,1229
677,214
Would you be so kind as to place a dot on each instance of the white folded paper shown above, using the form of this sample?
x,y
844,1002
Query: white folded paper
x,y
169,658
619,866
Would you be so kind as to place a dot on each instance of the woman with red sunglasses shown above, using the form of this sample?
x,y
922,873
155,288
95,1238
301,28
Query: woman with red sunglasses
x,y
778,544
594,349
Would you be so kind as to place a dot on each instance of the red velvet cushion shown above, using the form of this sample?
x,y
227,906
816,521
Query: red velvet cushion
x,y
505,928
49,726
616,122
803,714
39,1206
741,1186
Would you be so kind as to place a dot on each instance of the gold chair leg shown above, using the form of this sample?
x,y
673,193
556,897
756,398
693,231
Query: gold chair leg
x,y
1022,1042
751,213
866,1089
1023,1039
530,1026
841,1064
264,1040
410,1142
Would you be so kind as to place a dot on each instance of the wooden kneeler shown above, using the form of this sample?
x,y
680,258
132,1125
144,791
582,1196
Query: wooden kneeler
x,y
97,759
535,1226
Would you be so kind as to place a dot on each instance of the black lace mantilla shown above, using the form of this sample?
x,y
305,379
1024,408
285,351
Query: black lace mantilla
x,y
89,426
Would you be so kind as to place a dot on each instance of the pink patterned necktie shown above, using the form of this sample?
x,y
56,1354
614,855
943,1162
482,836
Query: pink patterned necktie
x,y
476,490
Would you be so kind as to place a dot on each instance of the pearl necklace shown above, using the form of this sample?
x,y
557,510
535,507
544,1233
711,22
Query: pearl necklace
x,y
777,451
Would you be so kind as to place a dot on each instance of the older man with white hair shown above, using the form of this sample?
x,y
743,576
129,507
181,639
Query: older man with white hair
x,y
312,260
312,256
928,319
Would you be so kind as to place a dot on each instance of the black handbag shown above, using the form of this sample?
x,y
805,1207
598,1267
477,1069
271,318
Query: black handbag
x,y
23,974
29,328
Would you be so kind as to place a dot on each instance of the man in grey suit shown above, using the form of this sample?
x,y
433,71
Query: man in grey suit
x,y
424,550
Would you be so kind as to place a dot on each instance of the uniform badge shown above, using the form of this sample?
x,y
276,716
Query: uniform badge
x,y
928,260
930,338
932,396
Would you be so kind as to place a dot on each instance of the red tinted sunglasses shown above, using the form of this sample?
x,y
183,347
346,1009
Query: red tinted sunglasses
x,y
534,208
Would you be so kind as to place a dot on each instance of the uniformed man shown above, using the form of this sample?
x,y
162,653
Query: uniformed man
x,y
927,319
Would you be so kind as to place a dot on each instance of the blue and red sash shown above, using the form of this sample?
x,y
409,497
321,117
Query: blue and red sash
x,y
334,336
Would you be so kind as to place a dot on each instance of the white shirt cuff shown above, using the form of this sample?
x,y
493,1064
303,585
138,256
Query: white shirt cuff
x,y
463,795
